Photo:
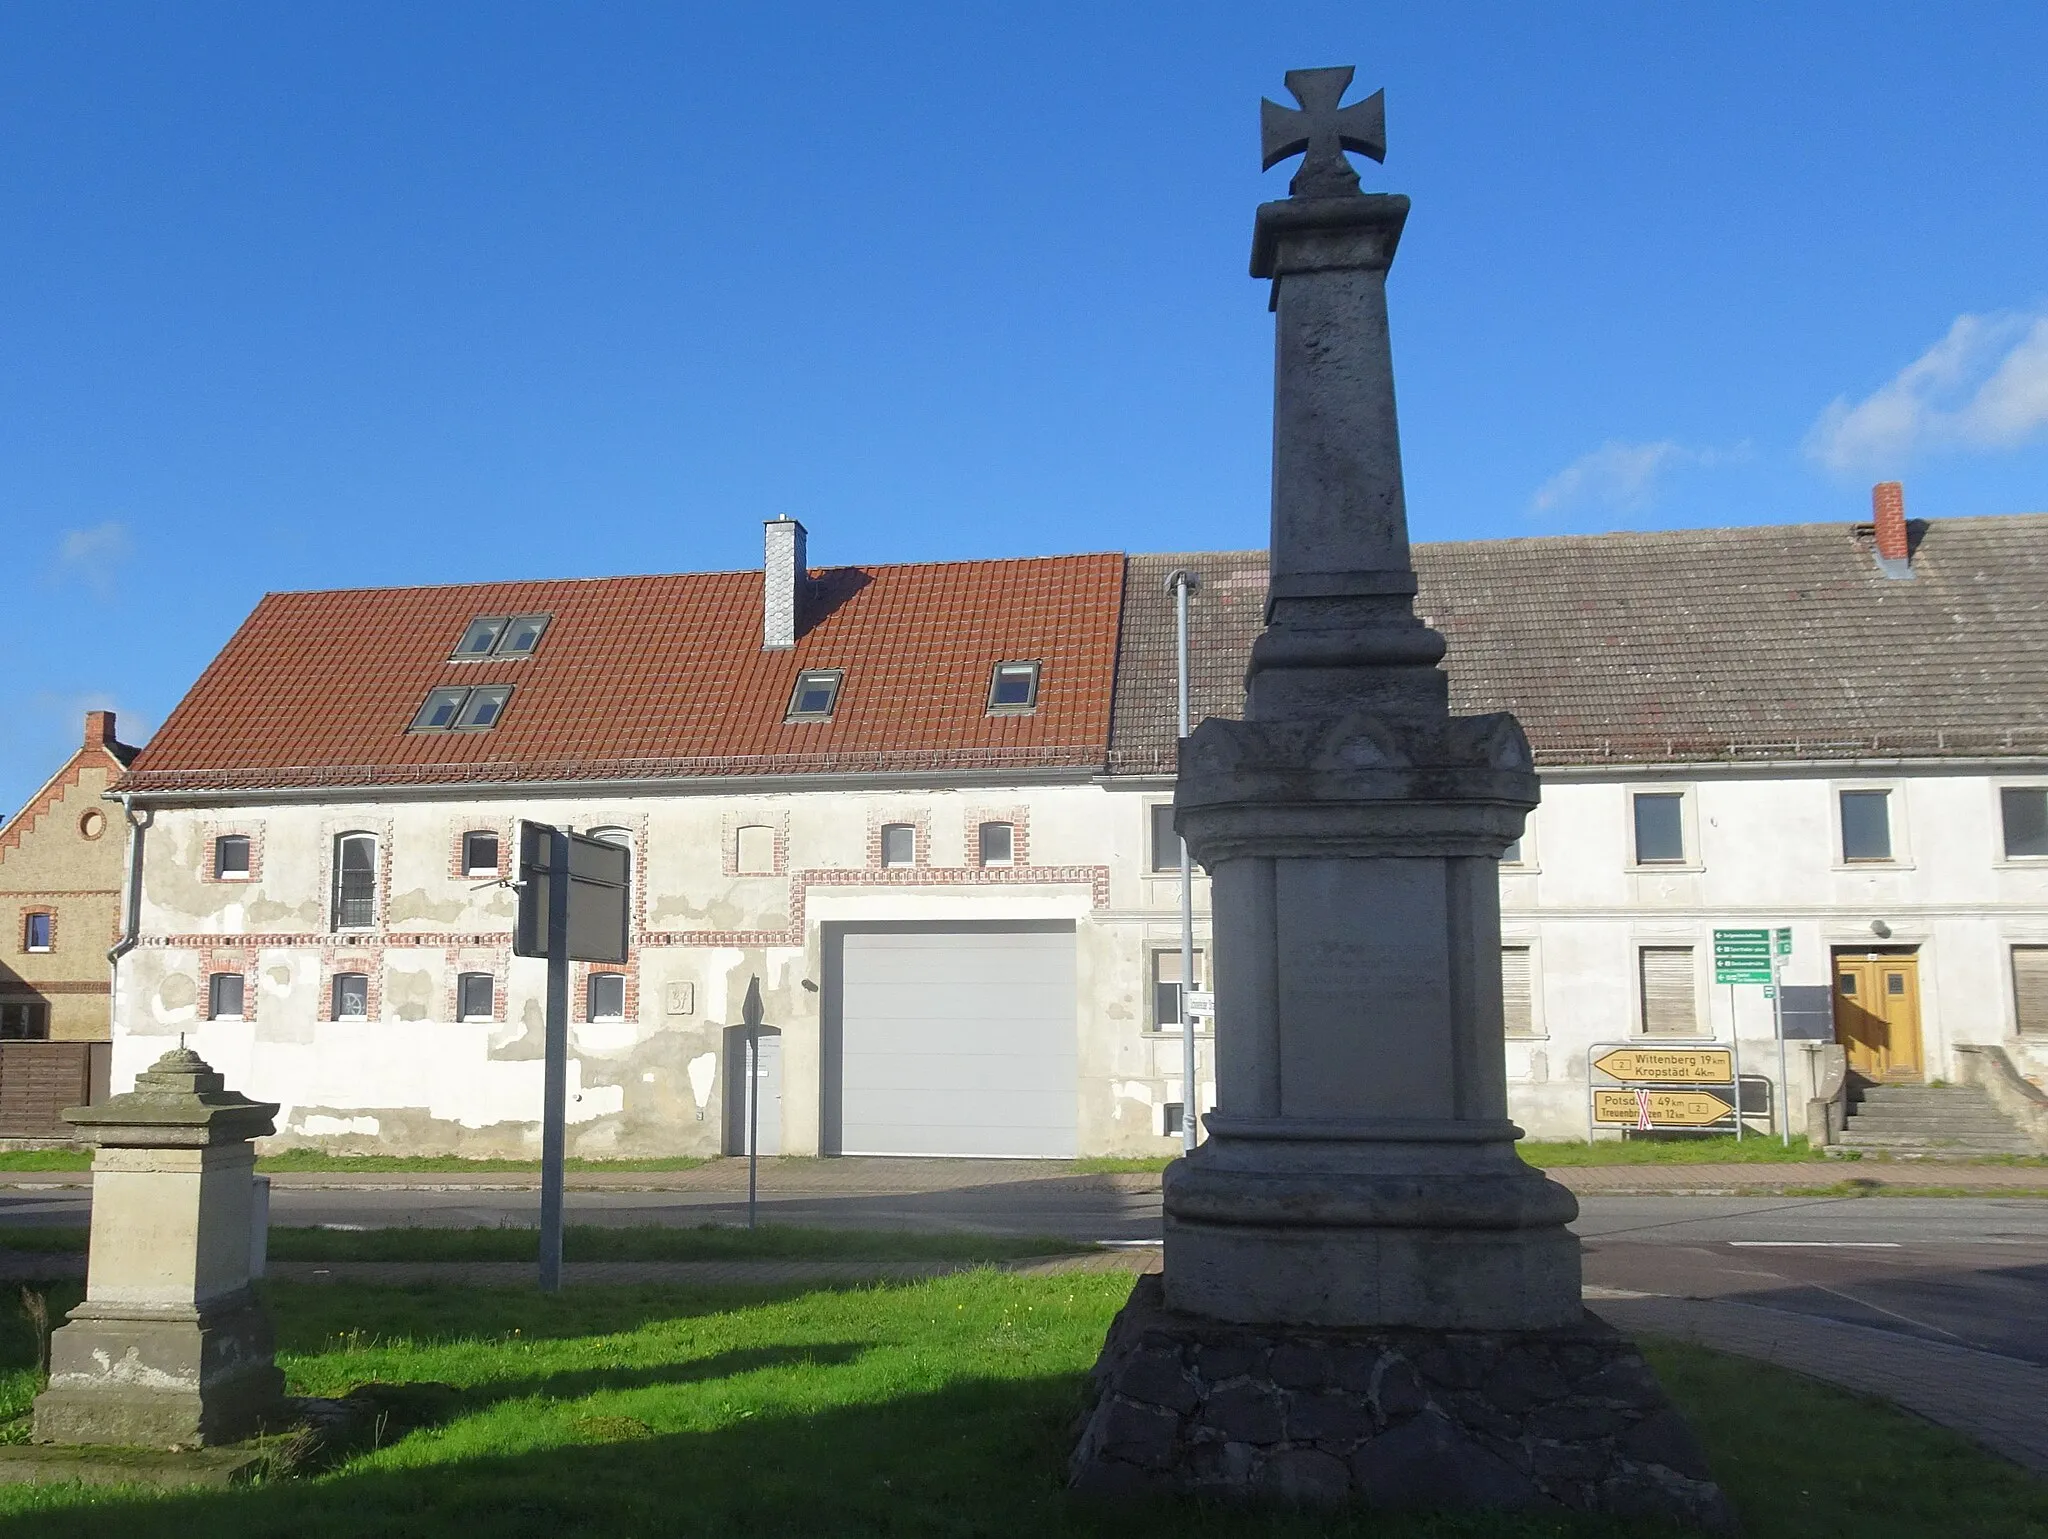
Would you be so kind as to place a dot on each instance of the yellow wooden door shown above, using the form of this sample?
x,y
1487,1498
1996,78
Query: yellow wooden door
x,y
1877,1014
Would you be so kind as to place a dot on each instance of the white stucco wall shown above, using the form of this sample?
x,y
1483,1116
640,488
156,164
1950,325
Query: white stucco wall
x,y
1762,848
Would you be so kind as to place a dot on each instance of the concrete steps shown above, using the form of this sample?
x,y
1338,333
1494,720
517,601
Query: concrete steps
x,y
1931,1120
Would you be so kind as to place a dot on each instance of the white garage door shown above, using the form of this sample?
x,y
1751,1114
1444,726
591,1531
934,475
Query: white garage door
x,y
957,1041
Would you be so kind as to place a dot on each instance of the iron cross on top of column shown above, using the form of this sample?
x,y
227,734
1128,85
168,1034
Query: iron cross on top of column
x,y
1321,131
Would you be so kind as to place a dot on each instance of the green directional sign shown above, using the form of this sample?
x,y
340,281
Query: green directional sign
x,y
1742,956
1781,941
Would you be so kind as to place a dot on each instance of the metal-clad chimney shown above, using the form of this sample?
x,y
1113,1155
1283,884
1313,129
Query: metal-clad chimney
x,y
785,574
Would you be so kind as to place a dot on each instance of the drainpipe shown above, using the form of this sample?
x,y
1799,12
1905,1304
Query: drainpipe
x,y
131,907
1179,585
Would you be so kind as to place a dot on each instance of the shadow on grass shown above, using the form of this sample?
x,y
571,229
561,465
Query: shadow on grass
x,y
976,1458
576,1384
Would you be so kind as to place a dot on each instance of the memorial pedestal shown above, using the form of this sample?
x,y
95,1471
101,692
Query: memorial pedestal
x,y
170,1348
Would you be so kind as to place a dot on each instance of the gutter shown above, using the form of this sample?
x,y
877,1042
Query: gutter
x,y
131,903
691,785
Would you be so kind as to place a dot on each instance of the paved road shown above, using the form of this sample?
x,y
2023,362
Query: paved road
x,y
1964,1272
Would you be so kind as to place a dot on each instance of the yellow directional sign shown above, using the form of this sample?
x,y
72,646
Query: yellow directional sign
x,y
1669,1065
1660,1108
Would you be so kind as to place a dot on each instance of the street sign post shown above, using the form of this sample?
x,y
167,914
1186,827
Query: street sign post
x,y
1742,956
573,893
1645,1109
1669,1065
1680,1086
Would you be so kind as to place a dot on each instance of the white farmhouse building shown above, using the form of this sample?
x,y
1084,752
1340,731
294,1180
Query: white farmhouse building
x,y
929,806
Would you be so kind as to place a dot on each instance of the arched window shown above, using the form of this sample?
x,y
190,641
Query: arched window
x,y
355,881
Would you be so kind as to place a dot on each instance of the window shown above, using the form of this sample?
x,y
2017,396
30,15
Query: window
x,y
224,996
481,639
1512,855
2025,813
462,710
754,850
1013,689
474,996
1166,990
24,1023
1660,828
35,932
355,882
440,711
816,695
899,844
1172,1118
606,996
1866,825
998,844
480,852
2030,989
500,636
351,996
1666,978
1517,994
231,857
1165,842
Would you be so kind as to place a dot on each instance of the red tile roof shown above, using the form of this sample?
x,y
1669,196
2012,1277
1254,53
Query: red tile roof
x,y
651,677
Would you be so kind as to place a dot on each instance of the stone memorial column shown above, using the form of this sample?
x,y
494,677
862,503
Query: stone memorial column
x,y
170,1348
1367,1295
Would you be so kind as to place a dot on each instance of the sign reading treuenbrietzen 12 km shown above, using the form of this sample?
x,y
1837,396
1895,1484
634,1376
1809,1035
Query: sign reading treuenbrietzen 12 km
x,y
1742,956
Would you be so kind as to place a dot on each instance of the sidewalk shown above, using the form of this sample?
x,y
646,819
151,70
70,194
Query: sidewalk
x,y
2000,1402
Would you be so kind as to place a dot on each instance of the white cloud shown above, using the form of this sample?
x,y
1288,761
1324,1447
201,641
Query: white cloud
x,y
93,555
1983,386
1623,477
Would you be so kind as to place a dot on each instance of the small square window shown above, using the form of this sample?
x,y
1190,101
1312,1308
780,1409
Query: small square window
x,y
35,933
351,996
1173,1118
483,708
1660,828
25,1023
2024,811
998,844
1512,855
899,844
474,995
440,711
224,996
231,857
1866,825
816,695
606,996
482,636
1166,990
1014,688
480,852
522,635
1165,842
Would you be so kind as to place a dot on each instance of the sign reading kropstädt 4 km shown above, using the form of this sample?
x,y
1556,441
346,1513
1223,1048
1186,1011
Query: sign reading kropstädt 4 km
x,y
1669,1065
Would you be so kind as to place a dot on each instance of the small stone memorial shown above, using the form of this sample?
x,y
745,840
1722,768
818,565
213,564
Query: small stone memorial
x,y
1367,1297
170,1348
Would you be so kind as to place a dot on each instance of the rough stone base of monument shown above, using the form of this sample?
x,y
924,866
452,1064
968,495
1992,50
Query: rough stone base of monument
x,y
160,1378
1388,1418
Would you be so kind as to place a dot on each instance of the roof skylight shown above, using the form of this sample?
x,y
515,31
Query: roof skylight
x,y
1013,689
462,710
500,636
816,694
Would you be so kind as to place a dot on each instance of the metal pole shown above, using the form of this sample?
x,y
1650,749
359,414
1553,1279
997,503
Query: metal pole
x,y
555,1063
1735,1052
750,1012
1778,1025
1190,1091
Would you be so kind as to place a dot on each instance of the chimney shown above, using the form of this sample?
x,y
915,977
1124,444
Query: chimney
x,y
1888,522
785,577
99,729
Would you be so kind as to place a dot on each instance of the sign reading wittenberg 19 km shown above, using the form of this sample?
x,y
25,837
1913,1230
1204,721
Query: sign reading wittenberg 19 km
x,y
1669,1065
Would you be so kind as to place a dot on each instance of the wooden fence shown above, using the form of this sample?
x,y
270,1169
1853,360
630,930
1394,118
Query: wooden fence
x,y
39,1079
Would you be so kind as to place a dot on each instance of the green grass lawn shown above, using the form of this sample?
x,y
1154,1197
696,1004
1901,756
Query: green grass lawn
x,y
594,1242
940,1409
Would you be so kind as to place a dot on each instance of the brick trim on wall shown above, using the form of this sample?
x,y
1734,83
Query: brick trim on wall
x,y
508,838
349,959
210,853
331,830
497,961
227,959
1019,819
21,920
729,841
921,856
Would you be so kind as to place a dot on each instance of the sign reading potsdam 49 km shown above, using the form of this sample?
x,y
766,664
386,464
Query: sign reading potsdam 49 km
x,y
1663,1087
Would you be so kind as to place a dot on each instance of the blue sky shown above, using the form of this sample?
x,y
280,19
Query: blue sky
x,y
336,294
